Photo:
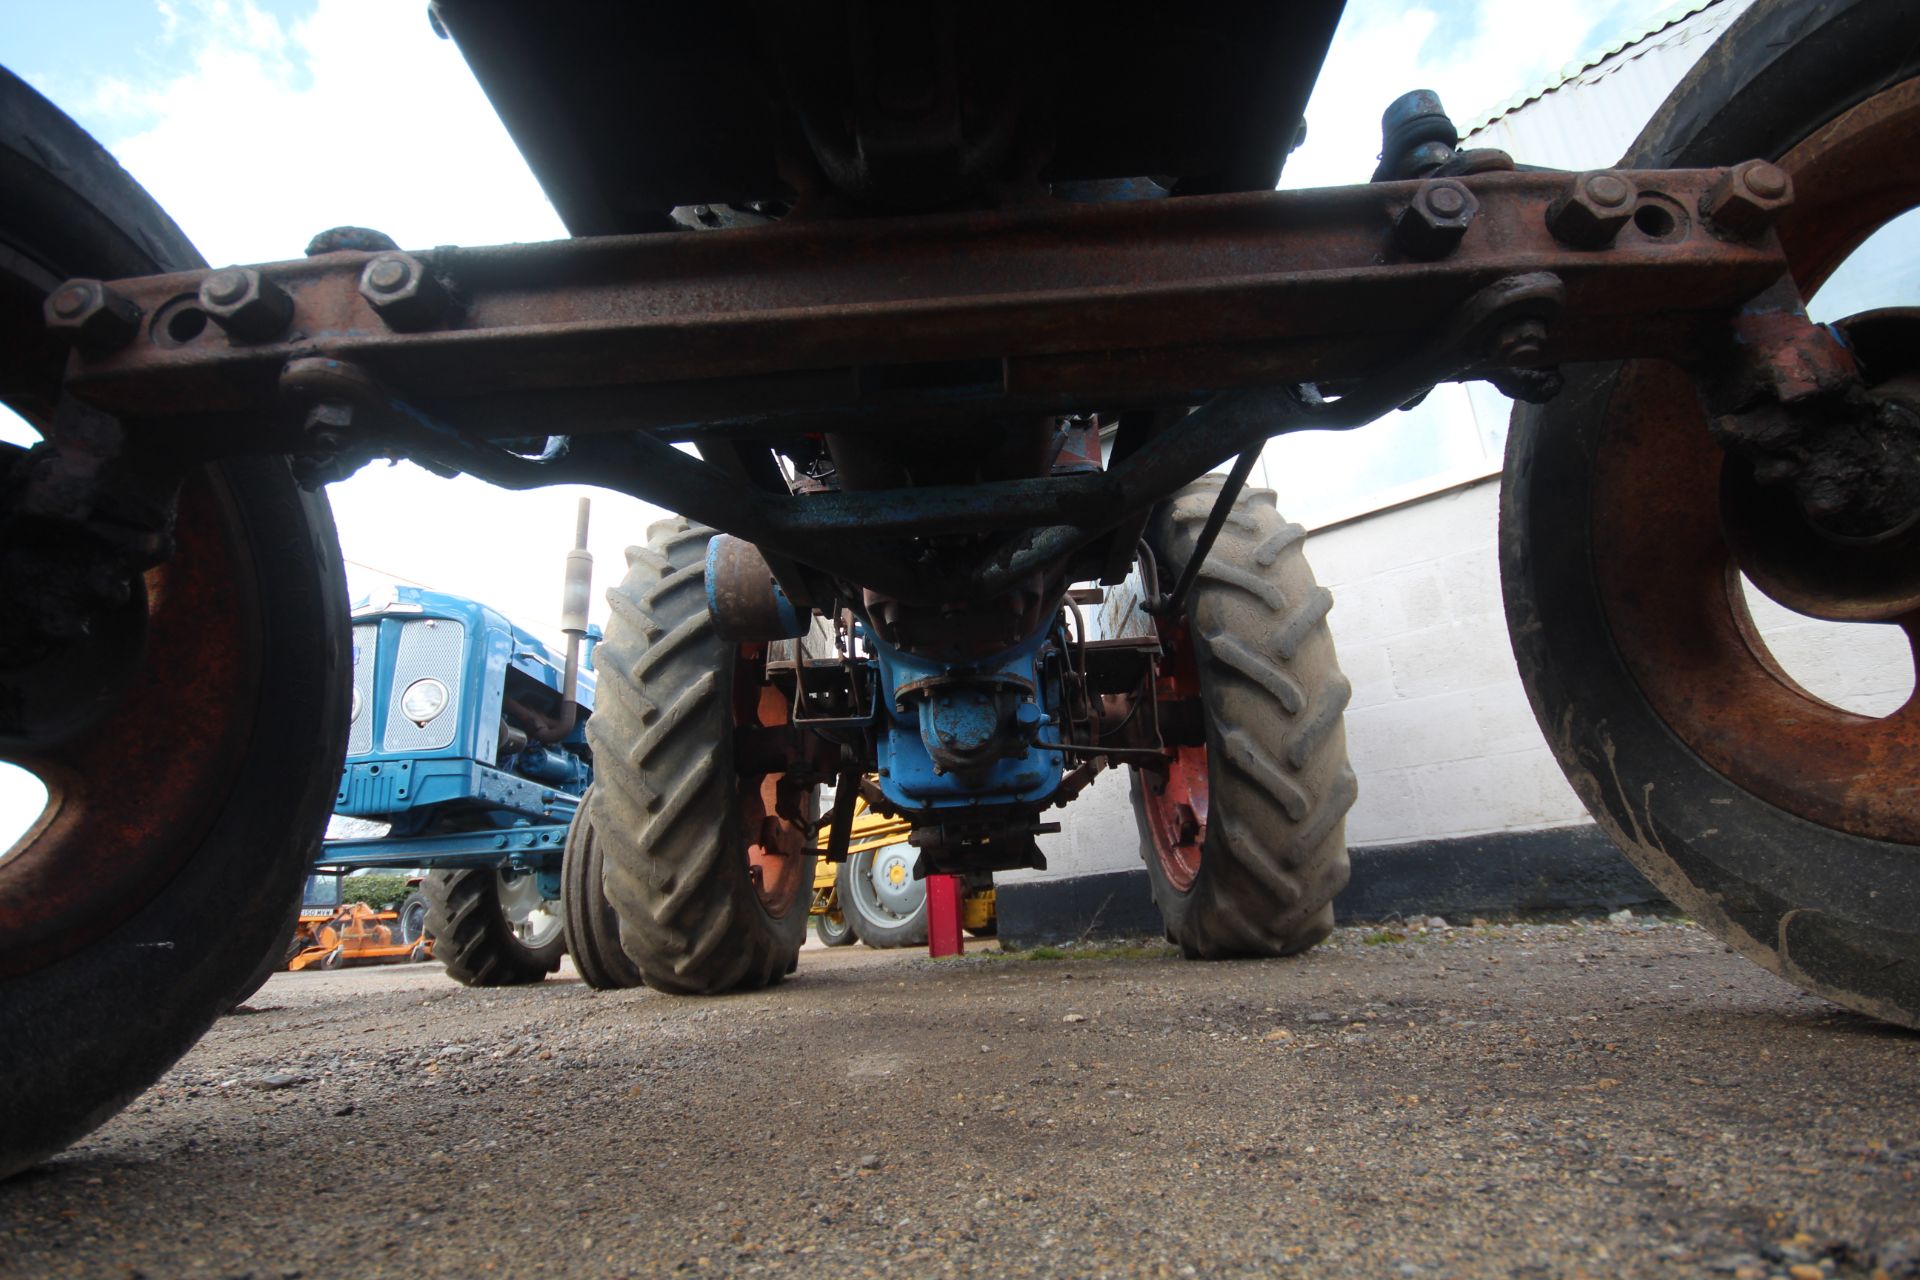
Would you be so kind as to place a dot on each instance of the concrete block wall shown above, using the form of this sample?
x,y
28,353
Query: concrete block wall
x,y
1439,729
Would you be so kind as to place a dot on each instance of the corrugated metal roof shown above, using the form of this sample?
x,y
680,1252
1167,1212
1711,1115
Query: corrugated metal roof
x,y
1618,93
1672,17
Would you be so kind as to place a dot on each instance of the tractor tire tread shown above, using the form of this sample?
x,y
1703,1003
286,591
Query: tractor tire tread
x,y
1280,785
471,935
592,927
664,806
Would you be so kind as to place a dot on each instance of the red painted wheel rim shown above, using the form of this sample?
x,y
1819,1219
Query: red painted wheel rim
x,y
1666,574
1176,800
133,793
772,823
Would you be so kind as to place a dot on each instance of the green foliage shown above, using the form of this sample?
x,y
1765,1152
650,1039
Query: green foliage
x,y
379,890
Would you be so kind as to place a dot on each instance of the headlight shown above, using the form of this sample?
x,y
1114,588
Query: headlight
x,y
355,717
423,700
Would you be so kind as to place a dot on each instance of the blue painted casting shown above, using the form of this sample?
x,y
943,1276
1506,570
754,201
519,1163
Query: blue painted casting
x,y
961,738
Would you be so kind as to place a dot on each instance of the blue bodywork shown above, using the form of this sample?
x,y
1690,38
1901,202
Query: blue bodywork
x,y
1012,699
461,788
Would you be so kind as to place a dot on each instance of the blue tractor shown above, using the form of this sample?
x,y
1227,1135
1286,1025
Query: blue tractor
x,y
467,740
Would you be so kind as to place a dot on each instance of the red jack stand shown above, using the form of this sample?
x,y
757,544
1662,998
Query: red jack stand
x,y
943,917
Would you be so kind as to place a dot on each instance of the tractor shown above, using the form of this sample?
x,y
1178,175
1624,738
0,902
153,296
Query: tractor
x,y
467,742
946,330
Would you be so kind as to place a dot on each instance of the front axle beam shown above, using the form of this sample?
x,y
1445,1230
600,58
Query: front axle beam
x,y
864,321
1285,310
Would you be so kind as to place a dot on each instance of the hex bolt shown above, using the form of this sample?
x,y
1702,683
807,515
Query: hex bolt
x,y
1591,211
1747,198
72,299
1446,201
388,275
225,288
91,316
1435,220
403,292
250,307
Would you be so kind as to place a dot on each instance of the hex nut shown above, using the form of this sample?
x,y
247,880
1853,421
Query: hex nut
x,y
1435,220
91,316
1747,198
403,292
247,305
1591,211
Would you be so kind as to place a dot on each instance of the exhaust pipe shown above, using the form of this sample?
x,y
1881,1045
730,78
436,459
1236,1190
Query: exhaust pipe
x,y
575,598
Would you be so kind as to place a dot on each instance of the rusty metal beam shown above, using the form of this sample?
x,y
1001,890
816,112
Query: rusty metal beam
x,y
1143,301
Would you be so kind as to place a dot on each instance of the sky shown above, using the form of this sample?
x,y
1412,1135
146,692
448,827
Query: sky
x,y
256,123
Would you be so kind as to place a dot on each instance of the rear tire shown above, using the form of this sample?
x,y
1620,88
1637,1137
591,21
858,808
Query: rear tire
x,y
593,930
710,879
142,909
1256,875
474,936
1833,910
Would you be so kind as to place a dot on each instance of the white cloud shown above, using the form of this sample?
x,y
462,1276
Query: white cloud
x,y
266,134
356,115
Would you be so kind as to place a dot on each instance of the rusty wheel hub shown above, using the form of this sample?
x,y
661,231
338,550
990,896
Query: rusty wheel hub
x,y
1176,801
771,820
1675,521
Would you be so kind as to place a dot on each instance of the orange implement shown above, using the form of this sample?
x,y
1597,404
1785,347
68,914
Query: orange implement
x,y
357,934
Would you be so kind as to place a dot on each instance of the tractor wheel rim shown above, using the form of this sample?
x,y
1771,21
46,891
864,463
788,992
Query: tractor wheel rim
x,y
890,873
536,921
1175,796
867,902
776,846
131,792
1665,567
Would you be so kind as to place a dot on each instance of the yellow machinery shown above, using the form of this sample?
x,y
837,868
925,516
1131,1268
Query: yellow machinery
x,y
872,897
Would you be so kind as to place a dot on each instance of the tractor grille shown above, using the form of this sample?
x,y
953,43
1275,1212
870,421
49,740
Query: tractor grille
x,y
360,736
428,647
369,788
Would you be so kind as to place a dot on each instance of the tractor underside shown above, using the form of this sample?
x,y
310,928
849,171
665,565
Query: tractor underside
x,y
893,289
926,312
952,334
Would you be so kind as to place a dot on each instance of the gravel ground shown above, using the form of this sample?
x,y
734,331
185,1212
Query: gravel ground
x,y
1599,1099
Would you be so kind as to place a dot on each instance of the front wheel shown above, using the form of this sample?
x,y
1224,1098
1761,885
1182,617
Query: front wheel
x,y
1244,836
413,917
189,741
1781,822
492,928
833,929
